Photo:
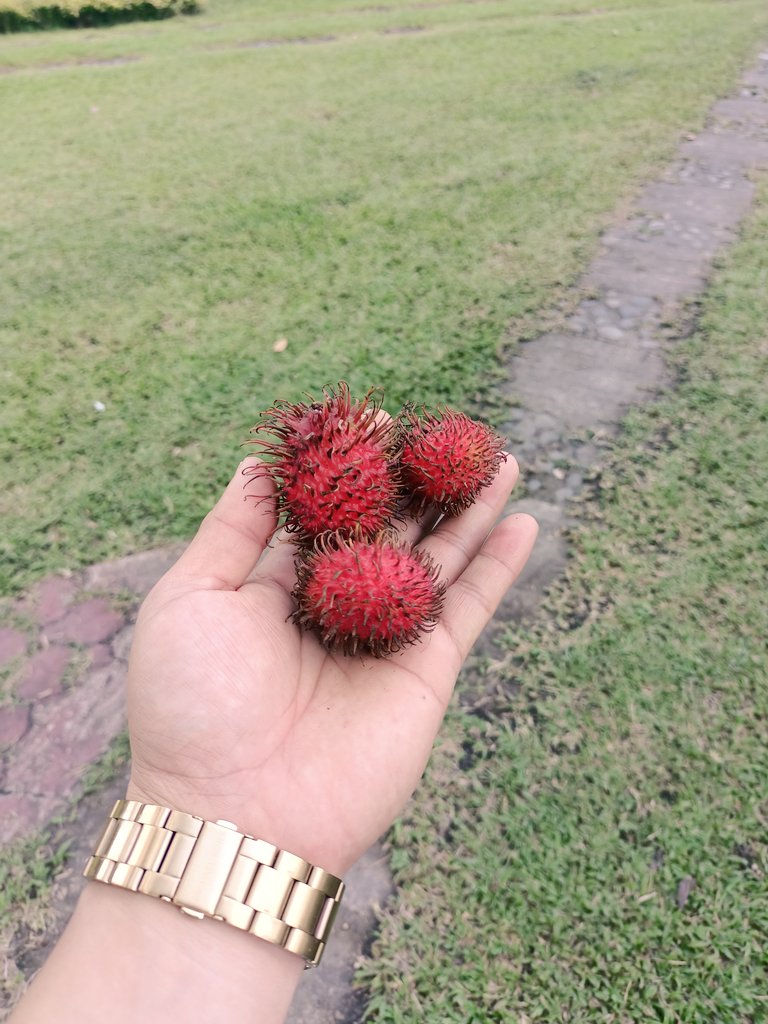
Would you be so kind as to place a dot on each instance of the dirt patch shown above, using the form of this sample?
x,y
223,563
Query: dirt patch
x,y
101,62
403,30
264,44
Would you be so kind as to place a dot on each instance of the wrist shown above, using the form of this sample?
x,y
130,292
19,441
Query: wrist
x,y
210,869
139,959
222,958
290,830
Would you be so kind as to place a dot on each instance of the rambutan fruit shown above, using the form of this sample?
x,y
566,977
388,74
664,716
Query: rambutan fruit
x,y
447,458
334,464
366,596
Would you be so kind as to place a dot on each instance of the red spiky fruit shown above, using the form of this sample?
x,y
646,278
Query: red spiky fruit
x,y
334,463
367,596
447,458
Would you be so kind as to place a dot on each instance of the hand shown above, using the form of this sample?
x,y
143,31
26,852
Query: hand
x,y
235,713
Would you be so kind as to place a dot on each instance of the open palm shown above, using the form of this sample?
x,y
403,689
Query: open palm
x,y
235,713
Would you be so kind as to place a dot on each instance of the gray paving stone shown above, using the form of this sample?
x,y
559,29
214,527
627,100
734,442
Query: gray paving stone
x,y
610,333
675,254
121,644
87,623
747,110
585,381
13,809
13,643
101,655
69,731
134,573
659,283
701,205
14,722
53,598
734,151
42,675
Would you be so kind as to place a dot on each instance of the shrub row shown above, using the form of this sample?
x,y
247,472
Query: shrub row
x,y
17,15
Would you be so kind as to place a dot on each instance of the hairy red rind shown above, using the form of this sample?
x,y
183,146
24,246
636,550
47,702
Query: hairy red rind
x,y
367,596
343,473
334,463
447,458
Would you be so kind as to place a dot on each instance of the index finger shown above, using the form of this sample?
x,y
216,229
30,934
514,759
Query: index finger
x,y
472,600
233,535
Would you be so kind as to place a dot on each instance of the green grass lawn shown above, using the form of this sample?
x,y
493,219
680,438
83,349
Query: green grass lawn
x,y
542,869
389,191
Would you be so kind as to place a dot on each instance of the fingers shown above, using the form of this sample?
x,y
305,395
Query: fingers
x,y
279,562
457,539
234,533
411,530
472,600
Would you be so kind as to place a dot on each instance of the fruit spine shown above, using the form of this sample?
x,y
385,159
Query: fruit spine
x,y
334,464
373,596
344,473
447,458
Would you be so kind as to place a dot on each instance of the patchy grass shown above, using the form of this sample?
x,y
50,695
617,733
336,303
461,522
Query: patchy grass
x,y
27,870
27,867
31,916
109,767
598,851
387,189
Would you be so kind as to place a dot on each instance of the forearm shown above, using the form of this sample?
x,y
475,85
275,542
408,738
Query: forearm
x,y
126,957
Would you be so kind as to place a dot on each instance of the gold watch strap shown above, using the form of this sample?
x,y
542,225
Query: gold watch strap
x,y
209,869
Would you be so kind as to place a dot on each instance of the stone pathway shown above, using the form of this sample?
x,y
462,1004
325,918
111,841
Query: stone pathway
x,y
64,653
574,385
68,656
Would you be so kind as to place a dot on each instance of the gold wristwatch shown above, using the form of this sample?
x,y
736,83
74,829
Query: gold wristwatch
x,y
209,869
